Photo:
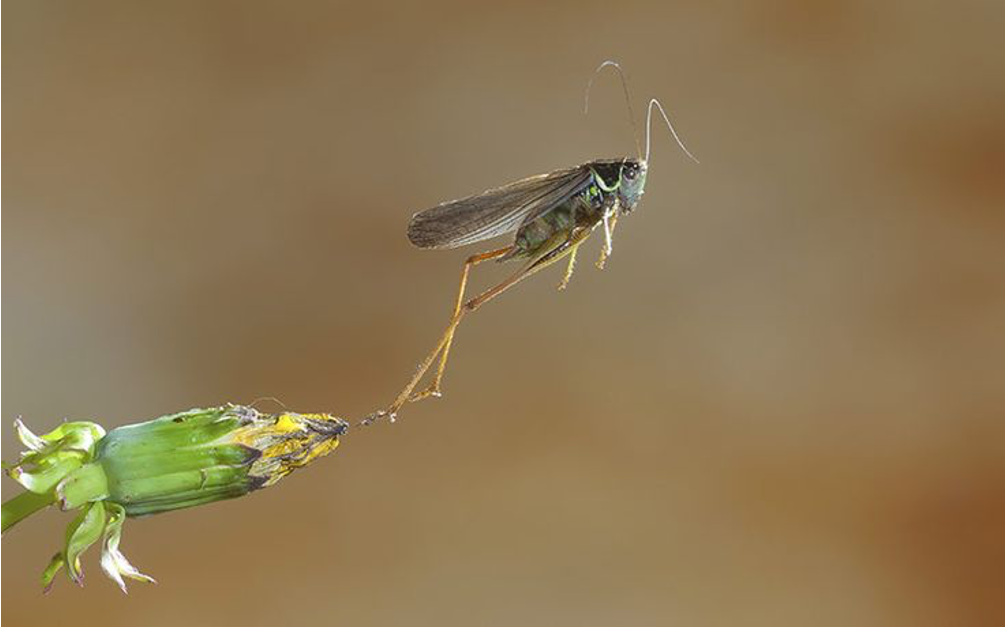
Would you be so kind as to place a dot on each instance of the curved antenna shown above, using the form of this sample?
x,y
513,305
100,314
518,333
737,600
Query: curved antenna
x,y
273,399
625,90
649,115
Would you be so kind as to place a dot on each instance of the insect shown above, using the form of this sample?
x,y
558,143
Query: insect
x,y
552,215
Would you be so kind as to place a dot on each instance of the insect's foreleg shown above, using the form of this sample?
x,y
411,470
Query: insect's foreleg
x,y
609,233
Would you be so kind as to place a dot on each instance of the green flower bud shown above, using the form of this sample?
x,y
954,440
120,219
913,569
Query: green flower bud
x,y
177,461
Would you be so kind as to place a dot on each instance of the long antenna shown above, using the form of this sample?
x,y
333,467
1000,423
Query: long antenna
x,y
625,90
649,115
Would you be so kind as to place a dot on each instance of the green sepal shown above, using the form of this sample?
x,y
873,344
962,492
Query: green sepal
x,y
57,562
86,484
53,456
159,493
113,563
75,436
83,532
127,462
175,431
39,472
186,500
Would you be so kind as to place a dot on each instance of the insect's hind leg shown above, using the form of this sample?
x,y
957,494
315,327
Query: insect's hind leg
x,y
445,345
567,248
554,252
442,348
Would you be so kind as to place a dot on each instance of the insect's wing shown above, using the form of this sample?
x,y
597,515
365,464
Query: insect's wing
x,y
494,212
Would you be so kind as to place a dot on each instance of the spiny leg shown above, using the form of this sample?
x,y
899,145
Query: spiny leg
x,y
605,250
434,388
445,340
557,248
471,305
569,268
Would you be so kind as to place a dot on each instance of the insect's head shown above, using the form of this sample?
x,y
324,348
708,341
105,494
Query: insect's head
x,y
631,184
632,178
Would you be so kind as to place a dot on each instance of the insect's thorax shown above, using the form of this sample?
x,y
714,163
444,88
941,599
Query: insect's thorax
x,y
583,210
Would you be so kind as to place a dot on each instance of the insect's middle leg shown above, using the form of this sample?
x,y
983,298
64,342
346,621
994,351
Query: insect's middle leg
x,y
569,268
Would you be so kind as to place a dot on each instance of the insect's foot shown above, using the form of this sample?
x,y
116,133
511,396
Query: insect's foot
x,y
374,417
432,391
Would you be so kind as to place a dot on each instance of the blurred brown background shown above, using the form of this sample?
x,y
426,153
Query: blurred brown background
x,y
780,403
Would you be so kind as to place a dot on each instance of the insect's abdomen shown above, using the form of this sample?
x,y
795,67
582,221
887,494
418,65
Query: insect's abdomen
x,y
583,209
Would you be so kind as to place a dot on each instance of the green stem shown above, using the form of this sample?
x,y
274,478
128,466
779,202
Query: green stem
x,y
25,504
